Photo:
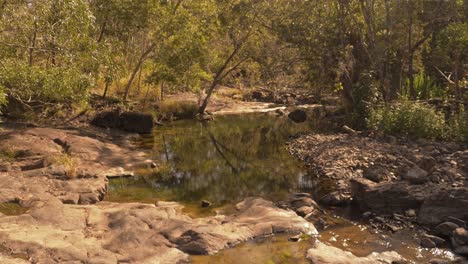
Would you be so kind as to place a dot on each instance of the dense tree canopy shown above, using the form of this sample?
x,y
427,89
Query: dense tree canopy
x,y
365,50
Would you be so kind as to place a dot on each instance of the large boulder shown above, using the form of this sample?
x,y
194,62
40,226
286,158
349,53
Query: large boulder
x,y
446,202
388,197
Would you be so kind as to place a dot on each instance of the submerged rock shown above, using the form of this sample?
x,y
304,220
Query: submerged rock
x,y
324,254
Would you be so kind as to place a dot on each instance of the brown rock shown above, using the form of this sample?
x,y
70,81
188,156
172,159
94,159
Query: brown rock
x,y
304,210
303,201
445,229
427,243
323,254
460,236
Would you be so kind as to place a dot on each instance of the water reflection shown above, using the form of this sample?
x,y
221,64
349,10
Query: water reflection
x,y
222,161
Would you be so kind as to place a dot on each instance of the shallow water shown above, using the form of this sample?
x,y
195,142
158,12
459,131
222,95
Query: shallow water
x,y
12,209
222,161
238,156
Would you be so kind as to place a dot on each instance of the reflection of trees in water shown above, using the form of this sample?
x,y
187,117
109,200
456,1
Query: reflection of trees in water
x,y
228,159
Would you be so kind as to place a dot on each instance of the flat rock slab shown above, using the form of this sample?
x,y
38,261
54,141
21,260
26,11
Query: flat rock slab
x,y
73,166
324,254
52,232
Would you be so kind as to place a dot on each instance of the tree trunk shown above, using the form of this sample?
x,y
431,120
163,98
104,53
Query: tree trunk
x,y
33,45
457,81
105,90
162,91
101,33
136,69
410,51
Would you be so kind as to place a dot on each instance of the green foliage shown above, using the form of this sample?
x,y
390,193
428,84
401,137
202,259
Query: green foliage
x,y
37,84
411,119
171,109
425,88
458,125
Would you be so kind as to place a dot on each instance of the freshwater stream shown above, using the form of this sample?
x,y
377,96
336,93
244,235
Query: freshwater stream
x,y
238,156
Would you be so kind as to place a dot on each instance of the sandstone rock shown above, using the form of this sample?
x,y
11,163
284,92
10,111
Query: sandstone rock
x,y
416,175
437,240
410,213
90,198
304,210
457,221
427,163
70,198
462,250
303,201
298,116
439,261
5,167
445,229
137,233
323,254
460,237
375,173
336,199
442,203
388,197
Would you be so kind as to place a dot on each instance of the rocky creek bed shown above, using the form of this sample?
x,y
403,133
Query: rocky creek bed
x,y
395,184
54,182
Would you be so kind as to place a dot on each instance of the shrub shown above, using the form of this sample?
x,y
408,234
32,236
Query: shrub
x,y
425,88
458,125
38,85
413,119
2,99
170,109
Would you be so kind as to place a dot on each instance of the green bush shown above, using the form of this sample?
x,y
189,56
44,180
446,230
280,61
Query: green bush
x,y
425,88
2,99
171,109
458,126
44,85
413,119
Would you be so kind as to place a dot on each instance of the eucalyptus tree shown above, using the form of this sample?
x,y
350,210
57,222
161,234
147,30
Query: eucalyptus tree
x,y
47,53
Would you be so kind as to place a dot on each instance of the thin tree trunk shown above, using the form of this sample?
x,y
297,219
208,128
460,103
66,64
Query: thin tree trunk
x,y
457,81
101,33
216,80
391,92
106,89
136,69
33,45
410,51
162,91
139,82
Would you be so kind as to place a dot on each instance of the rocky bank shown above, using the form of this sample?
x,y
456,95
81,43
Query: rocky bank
x,y
395,182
